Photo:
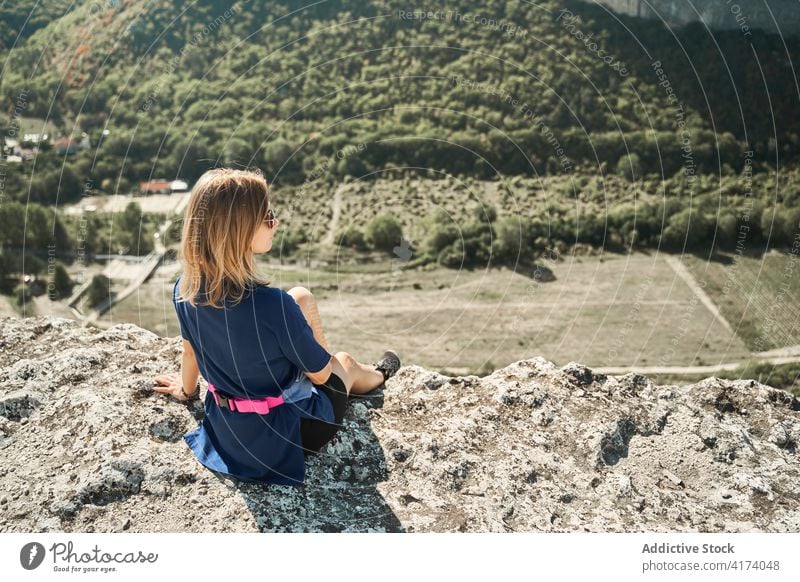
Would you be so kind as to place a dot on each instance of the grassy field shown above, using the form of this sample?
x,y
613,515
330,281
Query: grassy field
x,y
759,296
618,310
308,208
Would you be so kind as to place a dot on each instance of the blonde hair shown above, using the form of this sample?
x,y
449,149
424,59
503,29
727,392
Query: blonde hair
x,y
226,208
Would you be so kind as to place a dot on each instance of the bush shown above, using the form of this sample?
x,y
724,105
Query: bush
x,y
630,167
514,240
289,241
485,213
782,376
780,224
727,228
452,256
99,290
23,294
60,284
353,238
440,236
4,271
687,228
383,233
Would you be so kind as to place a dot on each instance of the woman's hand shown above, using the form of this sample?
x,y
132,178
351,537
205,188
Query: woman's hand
x,y
171,384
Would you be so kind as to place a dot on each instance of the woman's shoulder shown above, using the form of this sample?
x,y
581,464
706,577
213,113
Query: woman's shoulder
x,y
269,294
274,302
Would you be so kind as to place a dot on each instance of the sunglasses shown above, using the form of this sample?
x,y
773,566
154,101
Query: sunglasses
x,y
271,219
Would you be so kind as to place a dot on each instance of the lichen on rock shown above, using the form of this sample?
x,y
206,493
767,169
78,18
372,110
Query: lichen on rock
x,y
87,445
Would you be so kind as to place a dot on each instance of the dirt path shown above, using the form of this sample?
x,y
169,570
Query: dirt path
x,y
330,236
682,272
780,352
677,370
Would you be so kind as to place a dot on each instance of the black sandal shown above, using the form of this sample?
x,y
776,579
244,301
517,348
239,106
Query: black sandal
x,y
388,364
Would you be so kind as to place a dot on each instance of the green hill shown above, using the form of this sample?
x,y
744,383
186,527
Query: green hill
x,y
489,88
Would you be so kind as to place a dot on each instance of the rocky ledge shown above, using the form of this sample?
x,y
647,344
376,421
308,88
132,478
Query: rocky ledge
x,y
88,446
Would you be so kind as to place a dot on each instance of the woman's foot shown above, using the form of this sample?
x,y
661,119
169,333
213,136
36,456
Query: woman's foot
x,y
388,364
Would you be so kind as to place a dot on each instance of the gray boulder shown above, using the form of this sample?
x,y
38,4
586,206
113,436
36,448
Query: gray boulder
x,y
88,446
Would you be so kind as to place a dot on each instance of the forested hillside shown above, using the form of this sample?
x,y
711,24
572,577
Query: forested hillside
x,y
485,90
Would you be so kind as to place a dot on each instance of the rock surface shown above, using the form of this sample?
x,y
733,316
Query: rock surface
x,y
86,445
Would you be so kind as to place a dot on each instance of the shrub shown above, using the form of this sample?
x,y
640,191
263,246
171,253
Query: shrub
x,y
514,239
60,284
353,238
630,167
439,237
99,290
23,294
452,256
383,233
687,228
289,241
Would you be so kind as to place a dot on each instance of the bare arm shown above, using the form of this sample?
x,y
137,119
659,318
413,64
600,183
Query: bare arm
x,y
172,382
190,372
322,376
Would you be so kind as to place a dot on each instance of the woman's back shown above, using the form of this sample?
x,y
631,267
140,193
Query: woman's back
x,y
254,344
254,349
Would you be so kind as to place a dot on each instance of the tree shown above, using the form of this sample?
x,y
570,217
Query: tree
x,y
688,230
289,241
629,166
353,238
452,256
133,232
383,233
515,240
440,236
4,271
280,161
485,213
24,297
727,226
130,220
60,284
237,152
99,290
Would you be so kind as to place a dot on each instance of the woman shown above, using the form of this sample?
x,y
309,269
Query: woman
x,y
275,392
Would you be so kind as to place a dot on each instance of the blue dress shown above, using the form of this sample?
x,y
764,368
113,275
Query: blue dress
x,y
255,349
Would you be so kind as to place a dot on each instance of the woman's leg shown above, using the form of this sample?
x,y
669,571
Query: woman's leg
x,y
358,378
315,433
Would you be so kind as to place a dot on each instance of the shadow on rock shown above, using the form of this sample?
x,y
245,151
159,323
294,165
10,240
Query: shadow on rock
x,y
340,492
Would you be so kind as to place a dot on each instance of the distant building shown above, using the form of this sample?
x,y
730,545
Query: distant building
x,y
11,146
65,145
35,137
162,186
12,151
155,187
15,153
178,186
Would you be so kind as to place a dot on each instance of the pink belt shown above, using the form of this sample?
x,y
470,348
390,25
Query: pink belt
x,y
259,406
